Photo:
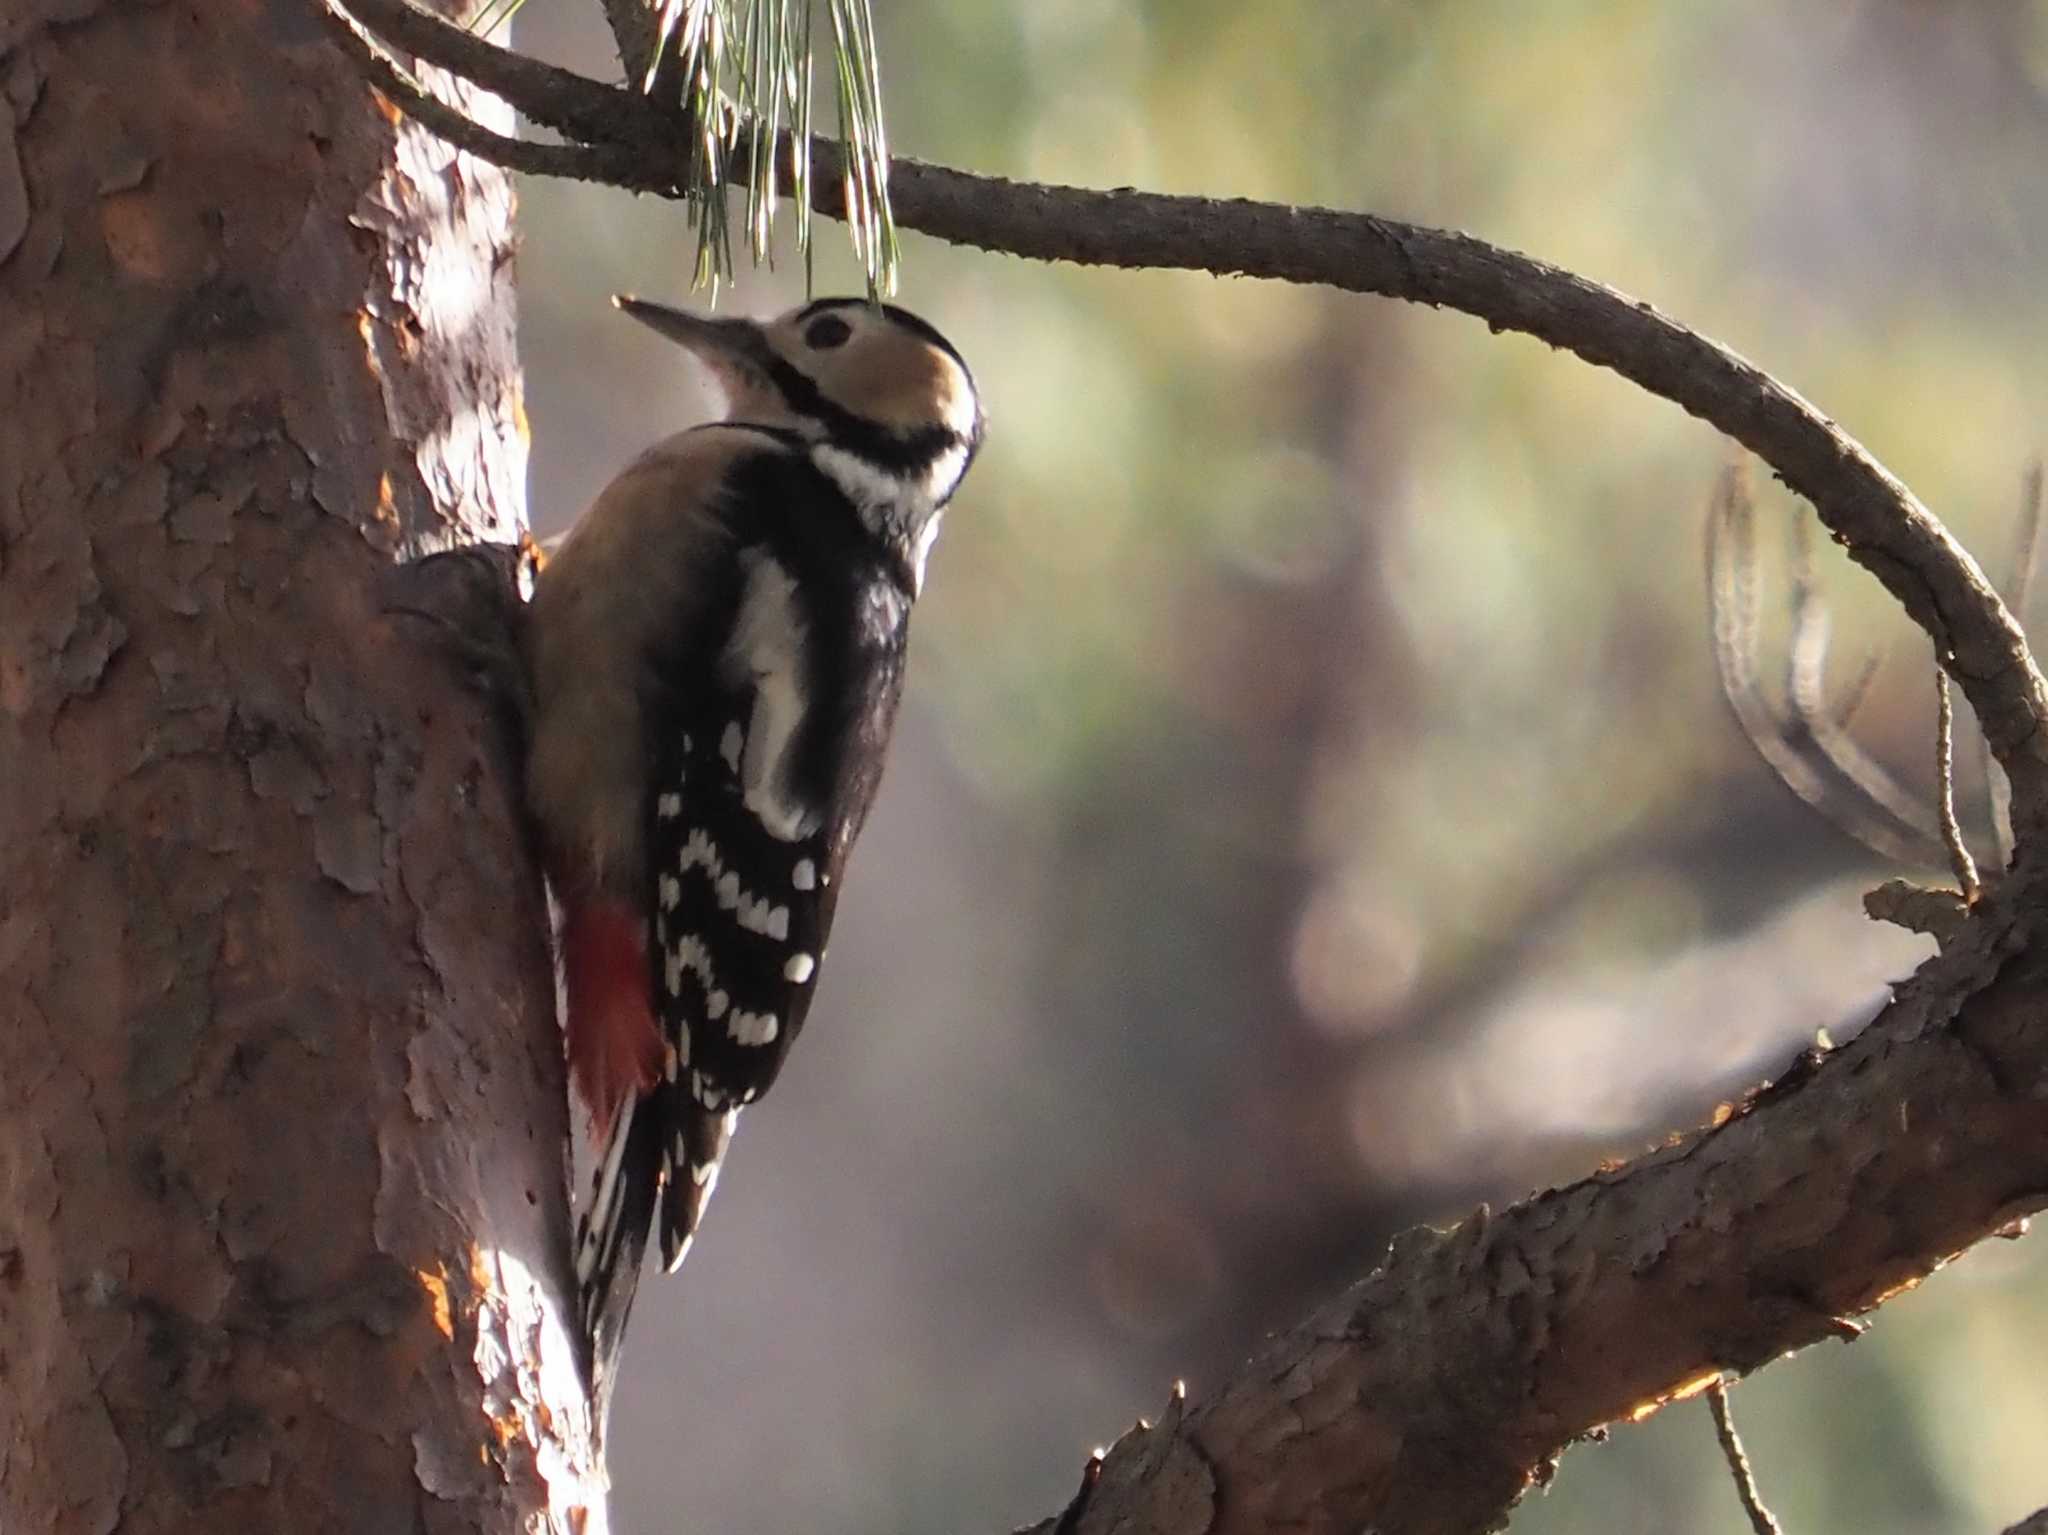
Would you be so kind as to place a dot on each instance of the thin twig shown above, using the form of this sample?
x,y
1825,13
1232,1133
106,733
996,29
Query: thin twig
x,y
571,104
1822,725
575,162
1789,740
1853,696
632,25
2019,597
1761,1519
1945,789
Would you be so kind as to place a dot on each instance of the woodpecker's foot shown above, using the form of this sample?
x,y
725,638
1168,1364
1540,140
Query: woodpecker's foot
x,y
470,598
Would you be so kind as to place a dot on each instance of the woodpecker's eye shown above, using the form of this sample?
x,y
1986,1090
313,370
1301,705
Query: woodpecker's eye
x,y
826,332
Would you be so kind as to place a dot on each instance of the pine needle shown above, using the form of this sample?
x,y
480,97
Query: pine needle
x,y
744,69
746,73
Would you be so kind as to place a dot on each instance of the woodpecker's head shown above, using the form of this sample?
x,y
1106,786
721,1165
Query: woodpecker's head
x,y
868,381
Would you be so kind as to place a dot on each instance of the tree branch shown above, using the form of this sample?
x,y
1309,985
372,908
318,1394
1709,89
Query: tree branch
x,y
556,98
1437,1390
573,162
1885,527
1882,523
1761,1520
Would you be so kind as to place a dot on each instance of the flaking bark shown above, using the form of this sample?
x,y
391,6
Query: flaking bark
x,y
282,1229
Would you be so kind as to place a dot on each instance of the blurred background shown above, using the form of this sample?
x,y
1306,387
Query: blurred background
x,y
1314,810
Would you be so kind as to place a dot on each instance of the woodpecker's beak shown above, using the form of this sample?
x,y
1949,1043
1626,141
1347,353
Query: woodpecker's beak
x,y
731,349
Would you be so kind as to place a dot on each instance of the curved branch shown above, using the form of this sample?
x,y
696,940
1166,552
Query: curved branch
x,y
1437,1390
1884,526
1882,523
577,107
574,162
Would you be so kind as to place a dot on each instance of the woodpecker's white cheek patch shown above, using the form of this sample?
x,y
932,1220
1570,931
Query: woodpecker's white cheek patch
x,y
922,551
875,493
958,407
943,478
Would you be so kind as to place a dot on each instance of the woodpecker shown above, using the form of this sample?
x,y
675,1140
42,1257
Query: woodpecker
x,y
717,649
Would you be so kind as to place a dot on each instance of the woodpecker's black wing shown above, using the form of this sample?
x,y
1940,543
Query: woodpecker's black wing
x,y
761,791
770,718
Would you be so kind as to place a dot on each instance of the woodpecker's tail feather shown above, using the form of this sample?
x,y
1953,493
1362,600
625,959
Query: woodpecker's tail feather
x,y
701,1138
611,1233
662,1153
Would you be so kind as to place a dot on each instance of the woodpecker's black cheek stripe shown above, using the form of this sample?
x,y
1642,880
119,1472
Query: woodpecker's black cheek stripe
x,y
907,454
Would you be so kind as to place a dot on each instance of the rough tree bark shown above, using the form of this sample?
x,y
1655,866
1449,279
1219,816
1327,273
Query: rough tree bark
x,y
281,1215
281,1209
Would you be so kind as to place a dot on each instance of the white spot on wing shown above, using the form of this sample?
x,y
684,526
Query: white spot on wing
x,y
806,875
706,1092
753,1028
689,953
732,744
798,968
669,806
671,892
778,924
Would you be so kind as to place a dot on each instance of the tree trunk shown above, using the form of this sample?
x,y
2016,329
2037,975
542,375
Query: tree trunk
x,y
265,927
